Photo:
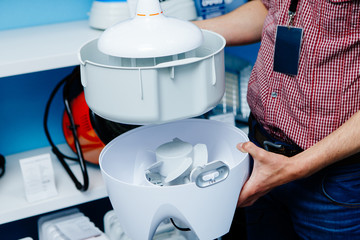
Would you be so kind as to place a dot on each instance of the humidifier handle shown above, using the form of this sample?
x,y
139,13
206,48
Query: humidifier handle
x,y
210,174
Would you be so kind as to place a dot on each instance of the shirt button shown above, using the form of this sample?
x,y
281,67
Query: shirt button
x,y
274,94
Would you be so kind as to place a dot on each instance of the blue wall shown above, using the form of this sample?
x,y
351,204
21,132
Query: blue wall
x,y
23,97
25,13
248,52
22,104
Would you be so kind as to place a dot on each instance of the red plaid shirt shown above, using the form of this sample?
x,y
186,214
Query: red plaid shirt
x,y
306,108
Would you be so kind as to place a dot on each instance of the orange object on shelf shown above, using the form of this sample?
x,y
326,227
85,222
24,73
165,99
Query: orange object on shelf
x,y
91,144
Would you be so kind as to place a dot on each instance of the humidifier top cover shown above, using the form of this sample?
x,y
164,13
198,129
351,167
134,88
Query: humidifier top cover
x,y
150,34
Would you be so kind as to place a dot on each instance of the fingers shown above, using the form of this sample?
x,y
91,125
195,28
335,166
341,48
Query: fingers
x,y
252,149
258,183
241,147
248,194
247,147
244,198
248,198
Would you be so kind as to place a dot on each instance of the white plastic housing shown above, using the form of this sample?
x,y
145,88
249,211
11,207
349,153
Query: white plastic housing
x,y
182,9
154,90
150,34
142,206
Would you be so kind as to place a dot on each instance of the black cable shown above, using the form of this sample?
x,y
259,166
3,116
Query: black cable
x,y
2,165
46,116
67,81
179,228
76,139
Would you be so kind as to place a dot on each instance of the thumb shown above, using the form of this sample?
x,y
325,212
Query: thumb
x,y
251,148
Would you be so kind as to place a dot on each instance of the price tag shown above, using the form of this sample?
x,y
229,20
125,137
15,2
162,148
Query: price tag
x,y
38,176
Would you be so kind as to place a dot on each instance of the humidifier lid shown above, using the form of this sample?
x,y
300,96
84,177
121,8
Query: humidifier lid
x,y
150,34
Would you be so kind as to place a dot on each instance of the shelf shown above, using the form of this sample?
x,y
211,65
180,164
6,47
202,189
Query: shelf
x,y
14,205
41,48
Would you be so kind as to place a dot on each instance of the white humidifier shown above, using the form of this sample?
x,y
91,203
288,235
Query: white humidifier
x,y
156,71
201,197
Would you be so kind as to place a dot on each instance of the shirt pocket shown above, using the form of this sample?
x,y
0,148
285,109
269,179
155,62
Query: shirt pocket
x,y
339,18
342,186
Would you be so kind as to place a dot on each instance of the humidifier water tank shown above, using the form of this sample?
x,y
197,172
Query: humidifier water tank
x,y
141,206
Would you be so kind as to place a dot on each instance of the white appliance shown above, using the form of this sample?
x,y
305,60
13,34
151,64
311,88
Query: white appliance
x,y
206,208
105,13
158,71
147,91
154,68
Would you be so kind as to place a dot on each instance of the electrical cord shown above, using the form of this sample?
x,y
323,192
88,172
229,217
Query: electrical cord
x,y
179,228
46,116
67,81
2,165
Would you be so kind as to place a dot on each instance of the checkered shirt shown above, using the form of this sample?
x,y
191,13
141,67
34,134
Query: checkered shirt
x,y
305,108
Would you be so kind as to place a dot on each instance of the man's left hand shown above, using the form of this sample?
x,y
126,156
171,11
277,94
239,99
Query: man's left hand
x,y
269,170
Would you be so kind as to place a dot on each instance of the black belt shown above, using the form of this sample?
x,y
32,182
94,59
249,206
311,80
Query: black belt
x,y
262,138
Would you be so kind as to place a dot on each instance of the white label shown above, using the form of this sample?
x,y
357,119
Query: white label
x,y
38,176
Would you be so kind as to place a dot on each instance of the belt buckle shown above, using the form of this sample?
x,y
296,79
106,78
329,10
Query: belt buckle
x,y
268,144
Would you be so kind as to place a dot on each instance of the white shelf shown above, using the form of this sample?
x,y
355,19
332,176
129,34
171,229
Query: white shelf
x,y
14,205
43,47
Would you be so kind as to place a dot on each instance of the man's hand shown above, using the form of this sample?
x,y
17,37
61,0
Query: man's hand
x,y
270,170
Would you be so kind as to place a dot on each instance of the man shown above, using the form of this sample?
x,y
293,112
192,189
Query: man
x,y
305,111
